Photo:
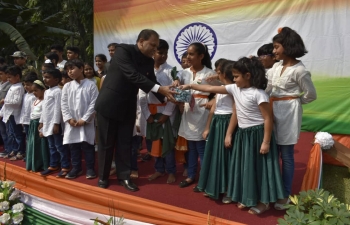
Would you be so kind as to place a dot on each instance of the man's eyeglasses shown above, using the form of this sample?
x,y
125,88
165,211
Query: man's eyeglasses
x,y
264,56
42,71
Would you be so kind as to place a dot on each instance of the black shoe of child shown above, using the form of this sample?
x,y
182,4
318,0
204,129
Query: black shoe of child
x,y
49,171
90,174
146,157
74,173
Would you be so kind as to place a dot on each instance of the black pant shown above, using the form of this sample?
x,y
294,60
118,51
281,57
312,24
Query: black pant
x,y
113,134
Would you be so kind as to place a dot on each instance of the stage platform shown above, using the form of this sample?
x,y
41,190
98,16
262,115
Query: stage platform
x,y
155,203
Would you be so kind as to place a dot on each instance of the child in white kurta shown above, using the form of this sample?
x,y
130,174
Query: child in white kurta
x,y
10,113
28,100
289,86
147,101
50,125
77,103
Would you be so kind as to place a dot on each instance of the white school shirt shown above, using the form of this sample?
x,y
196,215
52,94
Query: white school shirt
x,y
61,64
247,104
28,100
294,81
13,103
78,102
224,104
163,76
37,108
193,122
51,110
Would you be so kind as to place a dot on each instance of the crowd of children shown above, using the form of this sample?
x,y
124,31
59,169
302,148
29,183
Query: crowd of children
x,y
240,120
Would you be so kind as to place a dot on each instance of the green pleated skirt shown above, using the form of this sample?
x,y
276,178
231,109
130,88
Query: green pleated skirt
x,y
213,178
37,156
254,177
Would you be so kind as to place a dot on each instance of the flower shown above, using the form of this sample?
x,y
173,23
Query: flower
x,y
4,205
1,196
4,218
17,219
19,207
8,184
15,194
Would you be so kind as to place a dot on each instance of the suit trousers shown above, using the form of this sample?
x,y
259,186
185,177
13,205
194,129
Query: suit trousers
x,y
114,135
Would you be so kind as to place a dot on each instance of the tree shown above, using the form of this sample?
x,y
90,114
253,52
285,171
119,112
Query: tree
x,y
32,26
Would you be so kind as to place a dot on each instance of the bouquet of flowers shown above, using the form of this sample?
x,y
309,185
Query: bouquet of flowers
x,y
11,209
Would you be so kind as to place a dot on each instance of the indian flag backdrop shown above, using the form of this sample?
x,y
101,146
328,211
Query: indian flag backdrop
x,y
236,28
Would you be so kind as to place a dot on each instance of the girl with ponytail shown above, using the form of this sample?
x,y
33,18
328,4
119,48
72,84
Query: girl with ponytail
x,y
194,116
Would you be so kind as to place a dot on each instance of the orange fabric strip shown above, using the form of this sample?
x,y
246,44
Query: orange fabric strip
x,y
153,107
199,96
156,150
95,199
313,170
274,99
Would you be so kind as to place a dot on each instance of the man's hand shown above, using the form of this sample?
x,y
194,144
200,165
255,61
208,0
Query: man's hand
x,y
163,119
72,122
167,92
56,129
150,119
80,123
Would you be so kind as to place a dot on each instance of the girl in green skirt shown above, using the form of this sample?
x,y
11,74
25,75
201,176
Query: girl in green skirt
x,y
254,172
213,179
37,147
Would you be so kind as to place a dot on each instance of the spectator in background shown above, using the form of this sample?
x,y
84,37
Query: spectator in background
x,y
73,52
20,59
2,61
111,49
58,49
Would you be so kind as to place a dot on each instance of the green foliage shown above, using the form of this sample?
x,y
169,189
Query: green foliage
x,y
34,25
316,208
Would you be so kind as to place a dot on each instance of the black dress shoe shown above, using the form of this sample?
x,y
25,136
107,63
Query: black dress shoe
x,y
129,185
102,183
185,183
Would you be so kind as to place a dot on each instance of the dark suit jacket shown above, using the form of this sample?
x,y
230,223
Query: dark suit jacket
x,y
129,70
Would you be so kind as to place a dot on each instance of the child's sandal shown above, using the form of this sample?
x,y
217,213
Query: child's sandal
x,y
256,211
63,173
241,206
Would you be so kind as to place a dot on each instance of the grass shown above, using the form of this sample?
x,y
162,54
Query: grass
x,y
336,180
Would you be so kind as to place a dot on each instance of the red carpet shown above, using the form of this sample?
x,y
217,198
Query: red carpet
x,y
159,191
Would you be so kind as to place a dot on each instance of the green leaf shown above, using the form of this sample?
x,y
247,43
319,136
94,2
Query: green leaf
x,y
17,38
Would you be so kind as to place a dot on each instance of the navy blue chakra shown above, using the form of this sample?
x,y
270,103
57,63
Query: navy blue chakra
x,y
195,32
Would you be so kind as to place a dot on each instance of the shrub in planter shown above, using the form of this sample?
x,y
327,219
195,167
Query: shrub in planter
x,y
316,208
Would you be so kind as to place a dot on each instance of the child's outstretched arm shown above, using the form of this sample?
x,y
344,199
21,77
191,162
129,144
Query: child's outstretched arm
x,y
265,110
205,88
231,127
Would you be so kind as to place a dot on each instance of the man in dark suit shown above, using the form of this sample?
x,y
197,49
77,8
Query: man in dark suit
x,y
132,68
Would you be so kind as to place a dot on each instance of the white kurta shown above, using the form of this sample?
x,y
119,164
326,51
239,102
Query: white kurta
x,y
13,103
28,100
294,82
193,122
78,102
51,110
163,76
